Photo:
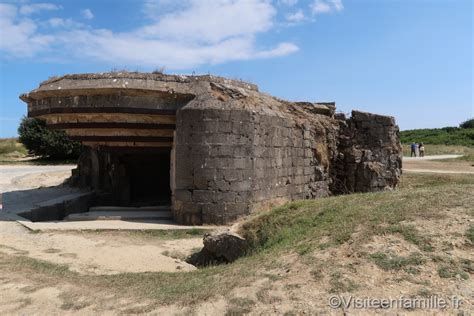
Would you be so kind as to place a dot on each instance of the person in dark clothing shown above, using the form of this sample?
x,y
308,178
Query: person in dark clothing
x,y
413,149
421,149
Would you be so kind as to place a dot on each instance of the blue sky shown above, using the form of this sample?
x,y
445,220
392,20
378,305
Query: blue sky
x,y
408,58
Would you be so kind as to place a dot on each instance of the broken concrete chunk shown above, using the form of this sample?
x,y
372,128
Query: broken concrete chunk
x,y
323,108
221,246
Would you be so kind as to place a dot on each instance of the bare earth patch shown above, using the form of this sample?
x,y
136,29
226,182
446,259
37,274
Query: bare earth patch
x,y
98,253
441,166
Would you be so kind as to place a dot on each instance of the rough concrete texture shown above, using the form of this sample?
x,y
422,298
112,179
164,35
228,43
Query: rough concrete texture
x,y
220,246
234,150
369,154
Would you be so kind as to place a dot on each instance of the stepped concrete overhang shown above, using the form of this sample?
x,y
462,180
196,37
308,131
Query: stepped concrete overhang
x,y
118,109
213,148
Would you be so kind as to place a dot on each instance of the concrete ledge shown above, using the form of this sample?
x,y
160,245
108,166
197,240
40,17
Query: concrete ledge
x,y
120,215
59,208
109,225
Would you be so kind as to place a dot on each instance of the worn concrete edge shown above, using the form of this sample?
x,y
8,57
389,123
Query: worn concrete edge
x,y
35,227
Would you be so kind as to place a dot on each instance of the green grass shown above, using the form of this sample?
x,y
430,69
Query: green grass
x,y
393,262
411,181
441,150
297,227
339,284
239,306
440,136
11,148
410,234
447,272
470,234
156,234
306,222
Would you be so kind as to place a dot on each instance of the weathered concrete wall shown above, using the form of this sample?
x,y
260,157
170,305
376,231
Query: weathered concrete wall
x,y
213,165
231,162
291,159
369,156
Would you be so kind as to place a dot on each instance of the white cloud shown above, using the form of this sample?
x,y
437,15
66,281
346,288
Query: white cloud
x,y
20,37
337,4
28,9
87,14
64,23
126,49
178,36
326,6
319,6
288,2
212,21
153,9
7,11
281,50
295,17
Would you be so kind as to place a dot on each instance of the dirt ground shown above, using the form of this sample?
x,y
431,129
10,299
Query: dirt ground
x,y
18,177
438,166
298,285
99,253
293,288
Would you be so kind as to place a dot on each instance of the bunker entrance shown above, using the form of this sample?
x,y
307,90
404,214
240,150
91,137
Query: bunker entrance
x,y
148,178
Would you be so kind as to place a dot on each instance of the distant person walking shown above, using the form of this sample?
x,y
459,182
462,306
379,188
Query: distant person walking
x,y
413,149
422,150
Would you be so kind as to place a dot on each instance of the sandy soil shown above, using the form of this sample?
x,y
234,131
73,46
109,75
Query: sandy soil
x,y
94,253
438,166
28,177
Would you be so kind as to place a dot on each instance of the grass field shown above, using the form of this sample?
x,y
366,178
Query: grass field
x,y
300,247
11,148
13,152
467,152
440,136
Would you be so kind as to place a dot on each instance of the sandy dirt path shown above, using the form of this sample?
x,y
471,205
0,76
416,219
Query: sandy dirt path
x,y
28,177
437,164
22,187
99,253
431,157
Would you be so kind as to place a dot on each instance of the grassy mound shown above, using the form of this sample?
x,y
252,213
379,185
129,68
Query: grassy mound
x,y
318,224
11,147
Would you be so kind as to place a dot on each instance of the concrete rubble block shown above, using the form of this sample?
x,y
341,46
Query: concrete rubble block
x,y
221,246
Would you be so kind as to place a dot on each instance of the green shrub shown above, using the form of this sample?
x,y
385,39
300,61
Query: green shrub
x,y
46,143
467,124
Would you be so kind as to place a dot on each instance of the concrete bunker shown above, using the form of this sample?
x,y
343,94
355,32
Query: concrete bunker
x,y
211,148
